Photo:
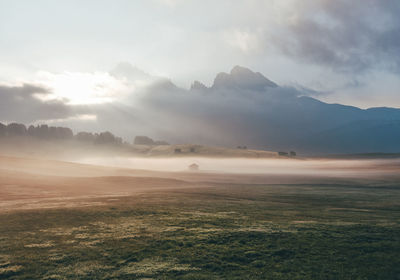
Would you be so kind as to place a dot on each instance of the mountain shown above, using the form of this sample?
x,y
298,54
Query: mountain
x,y
196,85
241,108
242,78
363,136
246,108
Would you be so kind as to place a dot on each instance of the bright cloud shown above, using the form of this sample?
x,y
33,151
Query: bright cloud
x,y
309,42
243,40
83,88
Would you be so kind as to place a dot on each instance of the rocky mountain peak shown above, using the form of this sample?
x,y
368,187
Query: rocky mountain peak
x,y
242,78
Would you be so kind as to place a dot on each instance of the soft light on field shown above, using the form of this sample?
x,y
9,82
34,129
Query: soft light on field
x,y
340,168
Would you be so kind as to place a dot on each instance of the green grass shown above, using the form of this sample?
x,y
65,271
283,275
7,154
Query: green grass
x,y
222,232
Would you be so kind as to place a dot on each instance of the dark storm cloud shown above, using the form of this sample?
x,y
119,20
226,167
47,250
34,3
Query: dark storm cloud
x,y
350,36
20,103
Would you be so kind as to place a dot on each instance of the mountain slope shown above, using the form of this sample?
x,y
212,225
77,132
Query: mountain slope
x,y
245,108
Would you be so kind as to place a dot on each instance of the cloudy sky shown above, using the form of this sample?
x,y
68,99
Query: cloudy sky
x,y
74,54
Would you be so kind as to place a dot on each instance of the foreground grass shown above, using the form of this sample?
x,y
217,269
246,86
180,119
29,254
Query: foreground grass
x,y
222,232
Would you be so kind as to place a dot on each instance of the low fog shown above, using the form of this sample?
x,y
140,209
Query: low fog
x,y
105,149
308,167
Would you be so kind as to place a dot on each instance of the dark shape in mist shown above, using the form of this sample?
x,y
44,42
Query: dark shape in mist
x,y
145,140
102,138
194,167
196,85
3,130
16,129
41,131
85,137
52,132
107,138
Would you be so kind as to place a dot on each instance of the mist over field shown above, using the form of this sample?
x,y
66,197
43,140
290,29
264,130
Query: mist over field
x,y
182,139
309,167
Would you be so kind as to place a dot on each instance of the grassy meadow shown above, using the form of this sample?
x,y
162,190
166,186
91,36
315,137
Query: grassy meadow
x,y
220,231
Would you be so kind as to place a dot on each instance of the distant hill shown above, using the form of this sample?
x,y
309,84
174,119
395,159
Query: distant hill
x,y
189,150
362,156
373,136
16,139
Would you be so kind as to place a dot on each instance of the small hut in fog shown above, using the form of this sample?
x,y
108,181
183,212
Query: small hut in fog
x,y
193,167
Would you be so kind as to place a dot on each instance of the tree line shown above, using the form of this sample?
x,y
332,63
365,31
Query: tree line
x,y
46,132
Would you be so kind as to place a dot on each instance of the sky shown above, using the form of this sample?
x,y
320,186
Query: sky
x,y
96,52
348,50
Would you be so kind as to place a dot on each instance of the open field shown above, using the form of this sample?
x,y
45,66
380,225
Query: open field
x,y
63,220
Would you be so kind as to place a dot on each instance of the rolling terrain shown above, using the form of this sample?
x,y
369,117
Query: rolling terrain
x,y
63,220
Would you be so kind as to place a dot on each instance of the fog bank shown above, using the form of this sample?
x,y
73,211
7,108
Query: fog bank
x,y
309,167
